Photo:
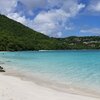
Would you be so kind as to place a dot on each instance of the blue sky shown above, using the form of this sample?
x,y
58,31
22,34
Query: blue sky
x,y
56,18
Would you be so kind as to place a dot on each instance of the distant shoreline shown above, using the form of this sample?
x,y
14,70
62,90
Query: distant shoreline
x,y
55,50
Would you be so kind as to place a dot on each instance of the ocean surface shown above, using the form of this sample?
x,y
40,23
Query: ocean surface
x,y
72,68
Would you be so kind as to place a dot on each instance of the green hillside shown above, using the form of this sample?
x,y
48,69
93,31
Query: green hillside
x,y
15,36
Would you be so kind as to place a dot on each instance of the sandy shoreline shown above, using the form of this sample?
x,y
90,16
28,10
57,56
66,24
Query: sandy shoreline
x,y
13,88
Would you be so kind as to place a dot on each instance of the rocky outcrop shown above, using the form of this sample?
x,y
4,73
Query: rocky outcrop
x,y
1,69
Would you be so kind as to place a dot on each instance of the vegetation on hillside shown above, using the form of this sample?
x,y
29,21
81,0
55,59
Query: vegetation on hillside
x,y
17,37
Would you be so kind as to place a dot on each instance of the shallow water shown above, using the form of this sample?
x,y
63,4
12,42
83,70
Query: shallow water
x,y
76,68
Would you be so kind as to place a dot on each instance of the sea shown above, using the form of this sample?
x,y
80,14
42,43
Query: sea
x,y
66,70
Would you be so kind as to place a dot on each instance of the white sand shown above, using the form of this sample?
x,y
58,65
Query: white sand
x,y
13,88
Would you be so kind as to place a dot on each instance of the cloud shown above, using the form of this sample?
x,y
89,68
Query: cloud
x,y
17,17
6,6
95,31
50,22
22,19
94,6
34,3
52,19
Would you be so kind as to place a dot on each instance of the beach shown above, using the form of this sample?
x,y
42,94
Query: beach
x,y
50,75
14,88
49,49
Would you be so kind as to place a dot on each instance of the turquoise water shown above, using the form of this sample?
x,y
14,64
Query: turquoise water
x,y
79,69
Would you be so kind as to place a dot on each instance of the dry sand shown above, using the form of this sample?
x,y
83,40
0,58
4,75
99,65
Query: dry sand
x,y
13,88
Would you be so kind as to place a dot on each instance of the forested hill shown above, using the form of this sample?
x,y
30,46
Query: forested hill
x,y
16,37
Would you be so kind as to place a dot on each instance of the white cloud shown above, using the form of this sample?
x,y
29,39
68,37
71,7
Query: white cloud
x,y
94,6
51,20
34,3
7,5
95,31
72,6
69,28
21,19
17,17
54,21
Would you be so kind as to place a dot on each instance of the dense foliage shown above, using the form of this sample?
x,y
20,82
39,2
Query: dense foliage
x,y
15,36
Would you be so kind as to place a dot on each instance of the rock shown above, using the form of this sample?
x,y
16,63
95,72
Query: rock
x,y
1,69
